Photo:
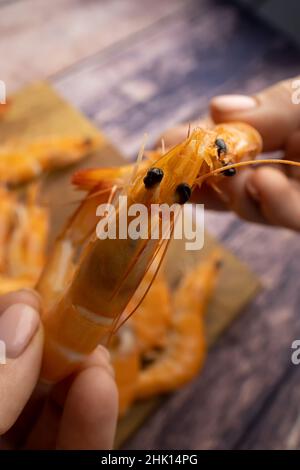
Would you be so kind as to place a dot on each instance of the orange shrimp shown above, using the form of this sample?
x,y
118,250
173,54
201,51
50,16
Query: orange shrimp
x,y
184,353
109,272
26,250
23,239
89,303
20,161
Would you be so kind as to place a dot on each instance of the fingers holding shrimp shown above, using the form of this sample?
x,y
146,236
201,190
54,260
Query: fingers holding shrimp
x,y
80,412
271,112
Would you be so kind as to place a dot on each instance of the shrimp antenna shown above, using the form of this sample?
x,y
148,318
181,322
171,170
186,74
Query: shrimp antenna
x,y
163,147
139,158
240,164
110,200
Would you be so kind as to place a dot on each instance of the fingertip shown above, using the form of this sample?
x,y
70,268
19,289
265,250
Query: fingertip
x,y
100,357
223,107
271,112
90,412
18,379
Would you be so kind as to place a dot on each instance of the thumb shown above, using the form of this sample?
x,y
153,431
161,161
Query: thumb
x,y
272,112
21,351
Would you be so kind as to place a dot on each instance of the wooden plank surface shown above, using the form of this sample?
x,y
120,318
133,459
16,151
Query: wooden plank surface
x,y
146,82
279,426
39,38
171,72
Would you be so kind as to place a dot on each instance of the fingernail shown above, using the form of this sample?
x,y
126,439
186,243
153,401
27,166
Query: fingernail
x,y
18,323
227,103
253,192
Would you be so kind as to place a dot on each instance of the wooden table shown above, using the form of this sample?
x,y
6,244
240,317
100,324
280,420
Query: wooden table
x,y
134,66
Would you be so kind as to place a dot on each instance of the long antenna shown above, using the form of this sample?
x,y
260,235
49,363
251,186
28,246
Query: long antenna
x,y
139,158
250,162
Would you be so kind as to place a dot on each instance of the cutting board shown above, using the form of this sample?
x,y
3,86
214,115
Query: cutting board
x,y
38,111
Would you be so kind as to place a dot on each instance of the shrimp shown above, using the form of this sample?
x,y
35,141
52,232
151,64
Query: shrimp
x,y
86,306
109,272
185,350
26,250
23,239
206,145
20,162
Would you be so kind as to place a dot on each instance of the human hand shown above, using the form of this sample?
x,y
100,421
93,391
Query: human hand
x,y
264,194
79,413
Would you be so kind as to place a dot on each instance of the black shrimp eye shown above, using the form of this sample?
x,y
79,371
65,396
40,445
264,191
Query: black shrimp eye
x,y
153,177
229,172
183,193
221,146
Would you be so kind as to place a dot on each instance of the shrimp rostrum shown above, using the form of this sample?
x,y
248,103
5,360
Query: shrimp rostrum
x,y
91,278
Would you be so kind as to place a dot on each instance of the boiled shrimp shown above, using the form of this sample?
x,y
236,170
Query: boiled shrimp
x,y
20,162
105,273
23,239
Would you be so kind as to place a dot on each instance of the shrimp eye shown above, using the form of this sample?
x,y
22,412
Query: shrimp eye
x,y
221,146
183,193
153,177
229,172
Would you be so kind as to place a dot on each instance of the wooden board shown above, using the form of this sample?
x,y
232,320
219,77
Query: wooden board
x,y
36,111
